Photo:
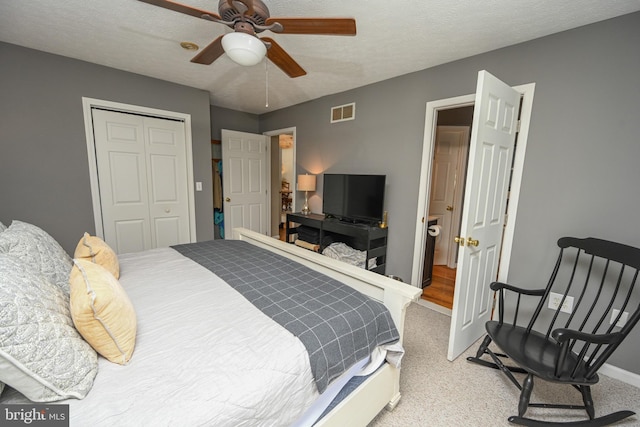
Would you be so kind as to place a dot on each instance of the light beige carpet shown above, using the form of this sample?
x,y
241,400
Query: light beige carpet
x,y
436,392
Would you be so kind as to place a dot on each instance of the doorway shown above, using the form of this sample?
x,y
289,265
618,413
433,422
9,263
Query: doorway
x,y
432,113
451,147
275,163
282,173
453,132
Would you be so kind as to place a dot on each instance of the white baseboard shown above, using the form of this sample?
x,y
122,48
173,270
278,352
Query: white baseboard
x,y
620,374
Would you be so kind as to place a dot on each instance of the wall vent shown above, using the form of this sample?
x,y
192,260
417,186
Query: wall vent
x,y
343,113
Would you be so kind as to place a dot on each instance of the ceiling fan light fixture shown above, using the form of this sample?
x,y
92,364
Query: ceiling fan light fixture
x,y
243,48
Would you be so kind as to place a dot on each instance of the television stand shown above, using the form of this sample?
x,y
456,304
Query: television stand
x,y
363,237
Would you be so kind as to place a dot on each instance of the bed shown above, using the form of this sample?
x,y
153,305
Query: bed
x,y
208,349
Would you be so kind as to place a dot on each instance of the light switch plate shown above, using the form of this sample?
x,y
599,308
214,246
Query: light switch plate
x,y
198,186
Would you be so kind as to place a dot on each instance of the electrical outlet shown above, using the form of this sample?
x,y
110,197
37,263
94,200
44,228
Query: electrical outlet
x,y
555,299
623,318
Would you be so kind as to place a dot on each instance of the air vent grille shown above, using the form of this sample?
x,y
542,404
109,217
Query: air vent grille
x,y
343,113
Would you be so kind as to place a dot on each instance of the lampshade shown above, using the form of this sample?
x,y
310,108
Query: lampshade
x,y
306,183
243,48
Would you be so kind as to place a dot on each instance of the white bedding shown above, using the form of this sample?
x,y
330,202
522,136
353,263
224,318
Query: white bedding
x,y
272,359
170,383
254,371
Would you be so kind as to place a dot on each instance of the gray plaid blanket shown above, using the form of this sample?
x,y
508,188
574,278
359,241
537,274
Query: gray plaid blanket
x,y
337,324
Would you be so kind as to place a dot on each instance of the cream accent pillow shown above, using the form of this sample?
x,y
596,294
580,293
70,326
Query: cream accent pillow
x,y
102,311
94,249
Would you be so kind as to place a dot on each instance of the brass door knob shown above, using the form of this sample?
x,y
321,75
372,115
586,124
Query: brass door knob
x,y
472,242
449,208
459,240
227,199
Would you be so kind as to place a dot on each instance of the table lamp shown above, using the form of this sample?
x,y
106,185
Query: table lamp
x,y
306,183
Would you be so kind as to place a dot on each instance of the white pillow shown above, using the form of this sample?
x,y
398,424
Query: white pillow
x,y
39,250
41,353
2,228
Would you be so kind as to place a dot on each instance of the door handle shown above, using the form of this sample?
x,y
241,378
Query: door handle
x,y
459,240
227,199
472,242
449,208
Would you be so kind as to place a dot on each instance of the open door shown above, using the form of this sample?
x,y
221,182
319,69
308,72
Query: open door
x,y
244,181
490,157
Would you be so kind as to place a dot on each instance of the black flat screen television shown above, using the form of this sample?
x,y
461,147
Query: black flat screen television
x,y
355,198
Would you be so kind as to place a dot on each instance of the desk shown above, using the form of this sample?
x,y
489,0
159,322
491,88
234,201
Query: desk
x,y
371,239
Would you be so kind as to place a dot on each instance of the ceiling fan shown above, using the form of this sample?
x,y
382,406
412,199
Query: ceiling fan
x,y
248,18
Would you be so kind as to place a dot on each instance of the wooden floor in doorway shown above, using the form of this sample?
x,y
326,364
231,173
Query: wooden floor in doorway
x,y
440,291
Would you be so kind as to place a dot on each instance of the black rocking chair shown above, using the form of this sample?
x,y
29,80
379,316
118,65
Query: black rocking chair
x,y
593,286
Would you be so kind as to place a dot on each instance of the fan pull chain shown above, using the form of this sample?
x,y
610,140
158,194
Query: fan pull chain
x,y
266,77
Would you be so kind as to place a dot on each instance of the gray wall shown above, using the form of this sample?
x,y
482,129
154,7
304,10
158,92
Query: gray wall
x,y
581,172
44,173
223,118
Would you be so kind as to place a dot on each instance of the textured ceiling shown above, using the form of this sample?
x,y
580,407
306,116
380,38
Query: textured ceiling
x,y
393,38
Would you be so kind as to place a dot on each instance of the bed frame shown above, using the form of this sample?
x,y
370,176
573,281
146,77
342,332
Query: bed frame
x,y
382,388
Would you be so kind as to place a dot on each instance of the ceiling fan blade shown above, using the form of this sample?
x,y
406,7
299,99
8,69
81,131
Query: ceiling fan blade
x,y
210,53
282,60
182,8
327,26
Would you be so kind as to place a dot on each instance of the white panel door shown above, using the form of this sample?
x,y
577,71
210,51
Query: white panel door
x,y
122,176
142,174
244,181
447,185
167,178
490,156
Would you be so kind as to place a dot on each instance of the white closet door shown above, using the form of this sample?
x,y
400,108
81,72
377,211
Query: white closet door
x,y
167,178
142,178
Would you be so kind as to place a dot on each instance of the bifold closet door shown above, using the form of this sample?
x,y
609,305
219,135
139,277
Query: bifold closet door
x,y
142,174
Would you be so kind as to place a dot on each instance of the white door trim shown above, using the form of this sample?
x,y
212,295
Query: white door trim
x,y
527,91
87,105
